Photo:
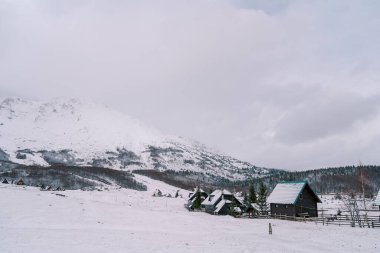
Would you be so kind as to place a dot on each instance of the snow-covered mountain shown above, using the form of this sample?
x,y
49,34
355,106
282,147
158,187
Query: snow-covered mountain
x,y
84,133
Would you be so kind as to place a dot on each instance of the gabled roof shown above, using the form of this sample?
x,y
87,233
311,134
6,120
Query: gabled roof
x,y
198,189
213,198
289,192
193,194
221,204
224,192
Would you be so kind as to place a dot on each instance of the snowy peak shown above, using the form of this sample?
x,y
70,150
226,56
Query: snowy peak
x,y
70,124
84,133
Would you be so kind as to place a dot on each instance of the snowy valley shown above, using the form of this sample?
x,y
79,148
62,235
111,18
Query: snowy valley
x,y
123,220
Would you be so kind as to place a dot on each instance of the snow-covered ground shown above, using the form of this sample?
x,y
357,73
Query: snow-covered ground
x,y
122,220
330,205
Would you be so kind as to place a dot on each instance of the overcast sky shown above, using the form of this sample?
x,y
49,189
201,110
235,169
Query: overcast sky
x,y
287,84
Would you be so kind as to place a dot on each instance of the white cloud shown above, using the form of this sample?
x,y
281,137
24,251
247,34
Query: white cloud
x,y
250,78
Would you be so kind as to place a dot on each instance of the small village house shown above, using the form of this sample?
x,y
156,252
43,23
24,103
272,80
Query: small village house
x,y
47,188
5,181
20,182
294,199
252,209
192,197
59,188
221,202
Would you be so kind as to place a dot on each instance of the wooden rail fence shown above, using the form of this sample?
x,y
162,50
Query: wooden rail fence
x,y
344,220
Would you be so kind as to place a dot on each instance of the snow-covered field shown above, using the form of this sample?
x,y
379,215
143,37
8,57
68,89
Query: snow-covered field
x,y
122,220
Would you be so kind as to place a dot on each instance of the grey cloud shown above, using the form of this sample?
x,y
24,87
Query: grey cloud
x,y
319,118
251,78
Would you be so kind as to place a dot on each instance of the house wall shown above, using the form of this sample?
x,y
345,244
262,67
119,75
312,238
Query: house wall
x,y
224,210
307,204
282,209
211,208
228,197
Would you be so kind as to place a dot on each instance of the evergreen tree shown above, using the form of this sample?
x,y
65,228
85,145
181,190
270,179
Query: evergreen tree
x,y
232,206
252,198
197,201
262,198
246,200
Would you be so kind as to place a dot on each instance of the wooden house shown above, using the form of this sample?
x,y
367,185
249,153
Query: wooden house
x,y
20,182
5,181
293,199
59,188
221,202
252,209
193,195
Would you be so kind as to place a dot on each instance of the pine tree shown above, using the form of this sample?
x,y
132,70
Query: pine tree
x,y
198,200
252,198
231,210
262,198
246,200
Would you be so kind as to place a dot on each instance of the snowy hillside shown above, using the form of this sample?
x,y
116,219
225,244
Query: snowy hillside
x,y
80,132
122,220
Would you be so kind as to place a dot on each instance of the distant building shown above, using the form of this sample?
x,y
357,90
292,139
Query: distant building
x,y
252,209
5,181
192,197
221,202
294,199
20,182
59,188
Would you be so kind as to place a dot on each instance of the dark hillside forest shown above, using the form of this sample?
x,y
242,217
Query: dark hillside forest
x,y
328,180
333,180
68,177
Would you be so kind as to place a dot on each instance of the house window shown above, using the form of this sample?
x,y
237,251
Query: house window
x,y
276,205
286,206
301,196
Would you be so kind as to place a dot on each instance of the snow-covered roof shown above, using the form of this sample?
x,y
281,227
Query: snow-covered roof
x,y
224,192
286,192
196,189
193,194
213,198
220,205
239,199
255,206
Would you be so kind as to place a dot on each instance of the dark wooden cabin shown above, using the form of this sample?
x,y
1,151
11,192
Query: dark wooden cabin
x,y
294,199
5,181
193,195
220,202
20,182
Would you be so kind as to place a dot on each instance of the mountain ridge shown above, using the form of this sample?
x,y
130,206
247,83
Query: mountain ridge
x,y
79,132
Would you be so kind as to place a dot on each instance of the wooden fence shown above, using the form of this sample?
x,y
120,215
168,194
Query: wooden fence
x,y
337,220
